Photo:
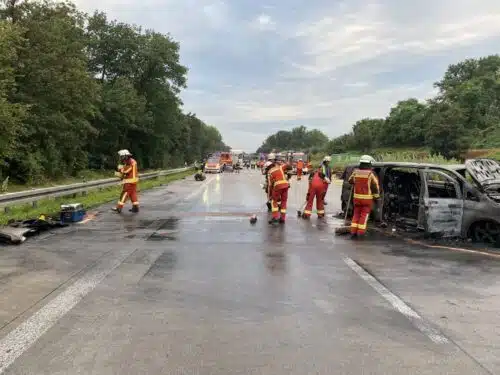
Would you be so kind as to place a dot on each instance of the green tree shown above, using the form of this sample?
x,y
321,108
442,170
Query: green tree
x,y
405,126
76,88
299,138
447,134
11,115
364,133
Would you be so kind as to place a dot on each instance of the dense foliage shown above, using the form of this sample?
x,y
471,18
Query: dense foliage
x,y
298,138
464,114
75,88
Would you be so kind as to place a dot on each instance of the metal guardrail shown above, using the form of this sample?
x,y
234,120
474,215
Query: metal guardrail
x,y
34,195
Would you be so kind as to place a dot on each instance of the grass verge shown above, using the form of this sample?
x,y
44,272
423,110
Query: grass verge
x,y
93,199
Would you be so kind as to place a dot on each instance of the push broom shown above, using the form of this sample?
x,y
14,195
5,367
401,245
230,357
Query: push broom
x,y
346,228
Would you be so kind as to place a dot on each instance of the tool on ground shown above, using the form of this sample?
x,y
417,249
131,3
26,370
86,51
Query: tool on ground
x,y
299,212
346,228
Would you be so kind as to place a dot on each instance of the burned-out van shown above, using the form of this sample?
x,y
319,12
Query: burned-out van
x,y
460,200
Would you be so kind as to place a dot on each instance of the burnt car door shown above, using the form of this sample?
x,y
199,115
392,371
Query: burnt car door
x,y
441,210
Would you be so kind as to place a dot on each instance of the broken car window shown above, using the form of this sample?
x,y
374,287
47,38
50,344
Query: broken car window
x,y
439,185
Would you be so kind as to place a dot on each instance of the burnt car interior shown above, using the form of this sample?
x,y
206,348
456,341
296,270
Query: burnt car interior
x,y
402,192
401,187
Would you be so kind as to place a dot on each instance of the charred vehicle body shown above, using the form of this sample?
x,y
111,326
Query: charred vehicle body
x,y
443,201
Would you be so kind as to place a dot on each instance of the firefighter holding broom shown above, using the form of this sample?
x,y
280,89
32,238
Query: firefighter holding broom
x,y
278,186
318,184
365,189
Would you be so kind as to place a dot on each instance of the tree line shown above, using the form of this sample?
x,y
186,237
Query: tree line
x,y
299,138
464,114
75,88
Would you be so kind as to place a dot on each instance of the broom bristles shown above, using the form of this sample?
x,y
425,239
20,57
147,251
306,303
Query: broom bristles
x,y
346,229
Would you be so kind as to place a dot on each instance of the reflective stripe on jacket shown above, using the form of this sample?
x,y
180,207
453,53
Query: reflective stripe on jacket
x,y
326,170
366,184
277,177
129,171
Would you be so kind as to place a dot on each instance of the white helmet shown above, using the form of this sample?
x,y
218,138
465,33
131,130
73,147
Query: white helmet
x,y
366,159
267,164
123,153
327,158
271,156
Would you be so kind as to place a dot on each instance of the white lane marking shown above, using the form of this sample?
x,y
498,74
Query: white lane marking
x,y
397,303
200,188
25,335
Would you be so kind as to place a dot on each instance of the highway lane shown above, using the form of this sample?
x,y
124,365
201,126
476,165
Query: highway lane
x,y
188,286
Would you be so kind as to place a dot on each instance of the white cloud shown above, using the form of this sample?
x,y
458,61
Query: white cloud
x,y
264,22
367,31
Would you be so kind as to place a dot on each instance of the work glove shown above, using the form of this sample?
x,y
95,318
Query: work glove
x,y
328,181
118,174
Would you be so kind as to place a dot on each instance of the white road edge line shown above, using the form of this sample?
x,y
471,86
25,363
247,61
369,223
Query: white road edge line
x,y
397,303
25,335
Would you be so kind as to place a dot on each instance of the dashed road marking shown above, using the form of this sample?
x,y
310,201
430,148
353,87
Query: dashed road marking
x,y
200,188
25,335
398,303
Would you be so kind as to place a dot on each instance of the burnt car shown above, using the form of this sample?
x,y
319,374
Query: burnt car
x,y
443,200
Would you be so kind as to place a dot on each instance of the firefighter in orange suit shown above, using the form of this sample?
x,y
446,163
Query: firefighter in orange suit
x,y
300,167
278,188
318,183
130,177
366,189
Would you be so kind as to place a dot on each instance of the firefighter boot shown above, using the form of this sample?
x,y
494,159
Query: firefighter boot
x,y
118,210
273,221
134,209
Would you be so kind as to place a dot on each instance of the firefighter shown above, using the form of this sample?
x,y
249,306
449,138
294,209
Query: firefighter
x,y
300,167
266,167
327,171
366,189
130,177
318,183
278,186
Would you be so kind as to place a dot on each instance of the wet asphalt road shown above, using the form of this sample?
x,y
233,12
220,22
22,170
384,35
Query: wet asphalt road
x,y
188,286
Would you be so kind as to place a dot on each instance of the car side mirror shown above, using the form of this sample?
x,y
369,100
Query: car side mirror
x,y
472,197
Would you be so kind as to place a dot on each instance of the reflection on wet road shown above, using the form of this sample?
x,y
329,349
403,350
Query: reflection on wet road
x,y
189,286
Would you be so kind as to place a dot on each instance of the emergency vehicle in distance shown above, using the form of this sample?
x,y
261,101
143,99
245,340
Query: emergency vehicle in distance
x,y
292,157
214,163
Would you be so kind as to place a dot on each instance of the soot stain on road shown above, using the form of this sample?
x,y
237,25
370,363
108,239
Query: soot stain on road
x,y
164,265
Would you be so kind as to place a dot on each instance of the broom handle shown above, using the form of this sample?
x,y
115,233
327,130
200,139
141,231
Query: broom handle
x,y
348,204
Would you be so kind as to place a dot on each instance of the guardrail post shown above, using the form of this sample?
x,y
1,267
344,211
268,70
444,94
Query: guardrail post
x,y
6,209
34,204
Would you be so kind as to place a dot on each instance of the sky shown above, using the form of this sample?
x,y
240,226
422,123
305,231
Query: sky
x,y
259,66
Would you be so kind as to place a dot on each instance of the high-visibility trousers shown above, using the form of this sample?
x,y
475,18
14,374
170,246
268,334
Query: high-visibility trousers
x,y
129,191
315,192
299,173
362,210
279,195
